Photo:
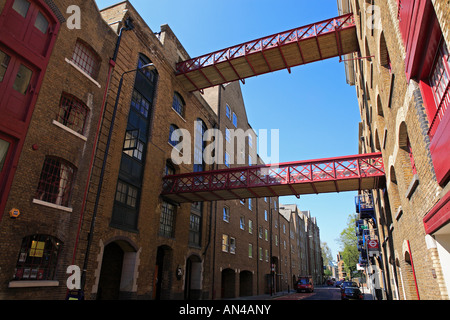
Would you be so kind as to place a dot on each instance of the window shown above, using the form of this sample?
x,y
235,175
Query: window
x,y
225,243
174,136
260,232
141,104
266,235
250,140
260,253
194,230
250,250
126,194
199,146
167,220
227,134
41,23
86,59
439,83
227,159
132,146
228,111
250,226
38,258
4,62
178,104
265,215
72,113
234,119
4,146
21,7
249,204
232,245
242,223
22,80
55,182
226,214
249,160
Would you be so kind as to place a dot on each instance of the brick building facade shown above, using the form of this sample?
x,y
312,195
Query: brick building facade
x,y
85,169
48,161
401,78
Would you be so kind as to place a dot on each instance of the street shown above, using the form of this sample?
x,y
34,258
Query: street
x,y
320,293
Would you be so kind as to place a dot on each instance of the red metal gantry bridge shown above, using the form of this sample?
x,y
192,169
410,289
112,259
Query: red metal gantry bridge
x,y
318,41
359,172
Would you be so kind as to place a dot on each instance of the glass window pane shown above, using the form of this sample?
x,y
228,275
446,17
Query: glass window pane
x,y
21,7
23,78
41,23
4,146
4,61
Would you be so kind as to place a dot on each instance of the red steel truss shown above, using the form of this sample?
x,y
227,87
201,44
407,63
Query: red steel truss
x,y
322,40
358,172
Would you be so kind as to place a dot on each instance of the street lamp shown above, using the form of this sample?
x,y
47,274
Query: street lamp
x,y
100,184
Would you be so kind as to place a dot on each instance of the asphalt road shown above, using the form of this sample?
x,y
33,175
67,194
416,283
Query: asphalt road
x,y
320,293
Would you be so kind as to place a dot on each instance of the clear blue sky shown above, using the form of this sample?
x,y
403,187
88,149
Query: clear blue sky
x,y
315,110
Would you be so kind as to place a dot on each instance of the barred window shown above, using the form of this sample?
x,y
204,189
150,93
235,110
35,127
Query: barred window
x,y
167,221
38,258
72,113
55,182
440,84
86,58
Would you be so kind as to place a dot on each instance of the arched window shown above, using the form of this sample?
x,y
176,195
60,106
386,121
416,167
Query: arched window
x,y
178,104
55,182
38,258
174,137
199,145
86,58
72,113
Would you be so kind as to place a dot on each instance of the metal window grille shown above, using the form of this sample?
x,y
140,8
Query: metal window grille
x,y
72,113
38,258
167,220
85,58
55,182
440,84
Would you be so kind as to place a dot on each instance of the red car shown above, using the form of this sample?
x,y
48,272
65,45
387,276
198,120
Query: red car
x,y
305,284
352,293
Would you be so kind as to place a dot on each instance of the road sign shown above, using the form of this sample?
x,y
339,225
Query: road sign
x,y
372,245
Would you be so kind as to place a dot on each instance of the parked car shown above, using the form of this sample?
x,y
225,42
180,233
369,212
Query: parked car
x,y
352,293
330,282
346,284
305,284
338,284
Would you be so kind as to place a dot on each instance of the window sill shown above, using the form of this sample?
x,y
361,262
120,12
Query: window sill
x,y
32,283
182,118
84,73
412,186
52,205
60,125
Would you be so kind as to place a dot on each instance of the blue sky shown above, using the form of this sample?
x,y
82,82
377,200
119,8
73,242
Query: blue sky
x,y
313,107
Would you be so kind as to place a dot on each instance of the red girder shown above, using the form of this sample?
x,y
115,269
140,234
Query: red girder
x,y
325,28
358,172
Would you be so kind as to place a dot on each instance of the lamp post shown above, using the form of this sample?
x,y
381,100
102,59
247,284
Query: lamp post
x,y
100,184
